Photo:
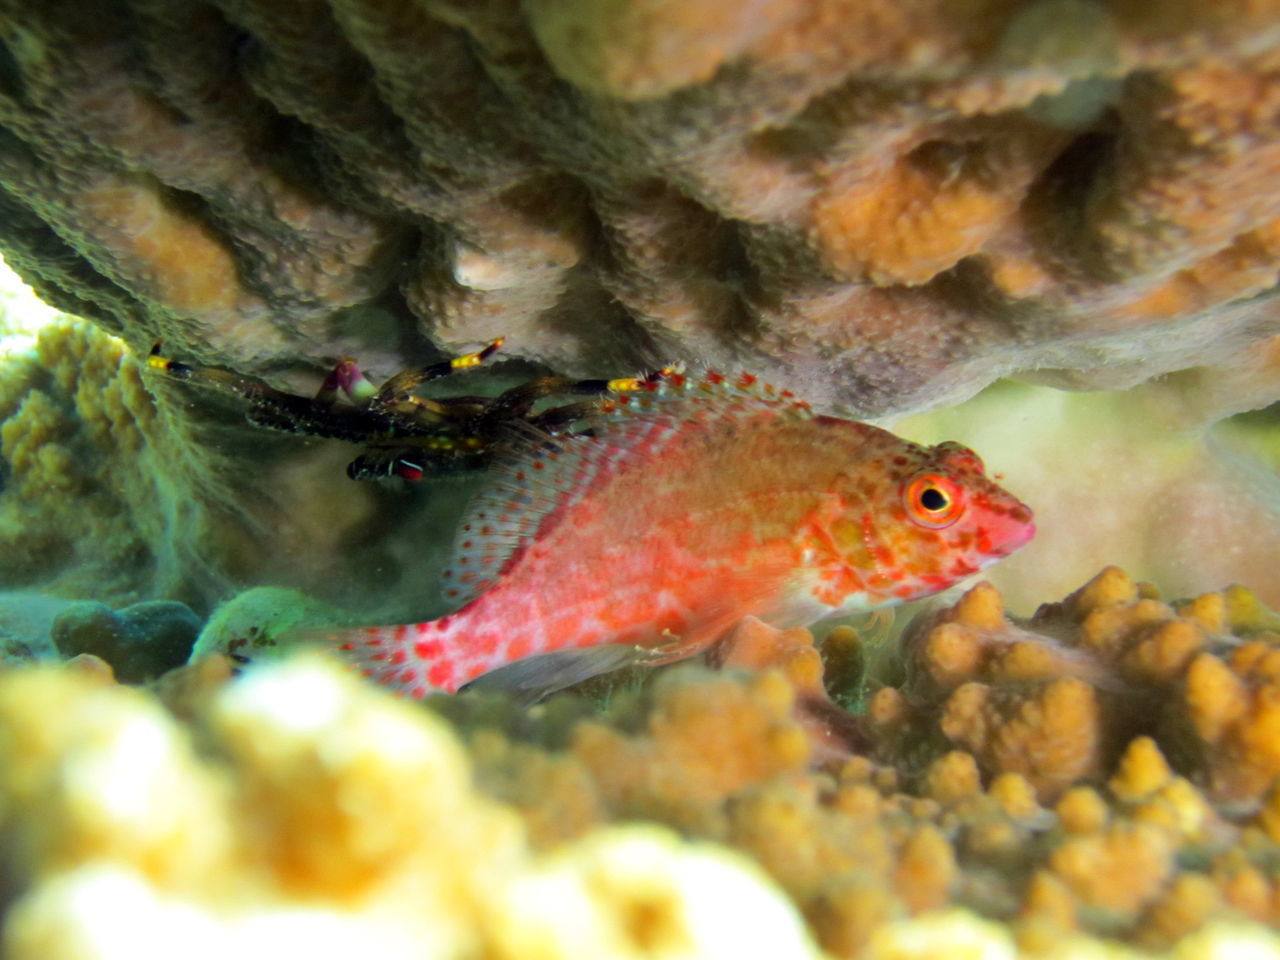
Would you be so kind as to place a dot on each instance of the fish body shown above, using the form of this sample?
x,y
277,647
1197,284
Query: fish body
x,y
692,505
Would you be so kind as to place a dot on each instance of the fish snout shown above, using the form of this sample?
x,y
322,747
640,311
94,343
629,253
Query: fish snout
x,y
1012,530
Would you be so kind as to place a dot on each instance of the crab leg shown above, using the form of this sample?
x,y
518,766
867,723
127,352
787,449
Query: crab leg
x,y
398,389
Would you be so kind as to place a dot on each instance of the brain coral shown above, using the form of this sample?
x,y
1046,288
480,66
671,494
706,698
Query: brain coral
x,y
894,203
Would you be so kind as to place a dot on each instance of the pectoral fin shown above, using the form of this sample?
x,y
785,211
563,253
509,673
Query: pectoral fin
x,y
529,680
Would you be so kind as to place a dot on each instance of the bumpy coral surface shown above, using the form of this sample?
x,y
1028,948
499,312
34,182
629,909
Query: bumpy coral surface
x,y
1098,780
105,493
1105,768
893,203
335,821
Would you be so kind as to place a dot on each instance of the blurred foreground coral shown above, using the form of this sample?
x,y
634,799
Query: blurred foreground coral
x,y
1100,779
328,819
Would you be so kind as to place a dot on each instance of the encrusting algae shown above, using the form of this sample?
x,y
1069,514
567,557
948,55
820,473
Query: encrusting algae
x,y
300,805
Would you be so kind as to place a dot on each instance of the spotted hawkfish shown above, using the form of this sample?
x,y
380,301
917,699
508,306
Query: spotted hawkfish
x,y
690,504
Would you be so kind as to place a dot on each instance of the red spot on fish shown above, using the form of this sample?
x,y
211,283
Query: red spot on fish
x,y
378,656
519,648
484,643
409,677
539,465
401,630
347,646
399,657
439,675
716,378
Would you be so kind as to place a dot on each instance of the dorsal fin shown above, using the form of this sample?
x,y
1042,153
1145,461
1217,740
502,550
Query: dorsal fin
x,y
719,391
540,476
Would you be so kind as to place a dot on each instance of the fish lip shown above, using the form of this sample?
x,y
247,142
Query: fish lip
x,y
1024,535
1017,538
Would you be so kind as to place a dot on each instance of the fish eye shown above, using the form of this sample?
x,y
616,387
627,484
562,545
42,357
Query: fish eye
x,y
933,501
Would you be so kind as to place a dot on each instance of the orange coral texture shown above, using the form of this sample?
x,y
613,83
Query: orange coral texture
x,y
1106,767
935,194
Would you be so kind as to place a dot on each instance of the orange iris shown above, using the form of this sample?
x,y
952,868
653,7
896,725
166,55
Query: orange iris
x,y
933,501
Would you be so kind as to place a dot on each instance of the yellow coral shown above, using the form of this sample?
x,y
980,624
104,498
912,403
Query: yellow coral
x,y
705,741
339,820
105,494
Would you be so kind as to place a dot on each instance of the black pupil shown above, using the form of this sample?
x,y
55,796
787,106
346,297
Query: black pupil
x,y
933,499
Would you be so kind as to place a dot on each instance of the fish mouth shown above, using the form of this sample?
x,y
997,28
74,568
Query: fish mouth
x,y
1016,537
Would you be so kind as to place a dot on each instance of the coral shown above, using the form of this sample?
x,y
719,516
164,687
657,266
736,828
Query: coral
x,y
298,801
333,816
894,204
1048,772
106,493
1055,698
140,641
110,490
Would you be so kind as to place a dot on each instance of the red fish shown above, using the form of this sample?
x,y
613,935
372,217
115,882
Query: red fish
x,y
694,502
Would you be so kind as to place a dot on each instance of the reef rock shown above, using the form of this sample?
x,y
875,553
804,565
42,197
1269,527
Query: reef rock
x,y
886,204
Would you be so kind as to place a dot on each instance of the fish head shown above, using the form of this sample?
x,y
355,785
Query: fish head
x,y
927,519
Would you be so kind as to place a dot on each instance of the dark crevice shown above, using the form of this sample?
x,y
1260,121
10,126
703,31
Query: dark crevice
x,y
1057,203
12,84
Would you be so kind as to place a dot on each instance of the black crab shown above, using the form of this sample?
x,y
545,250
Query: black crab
x,y
405,435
